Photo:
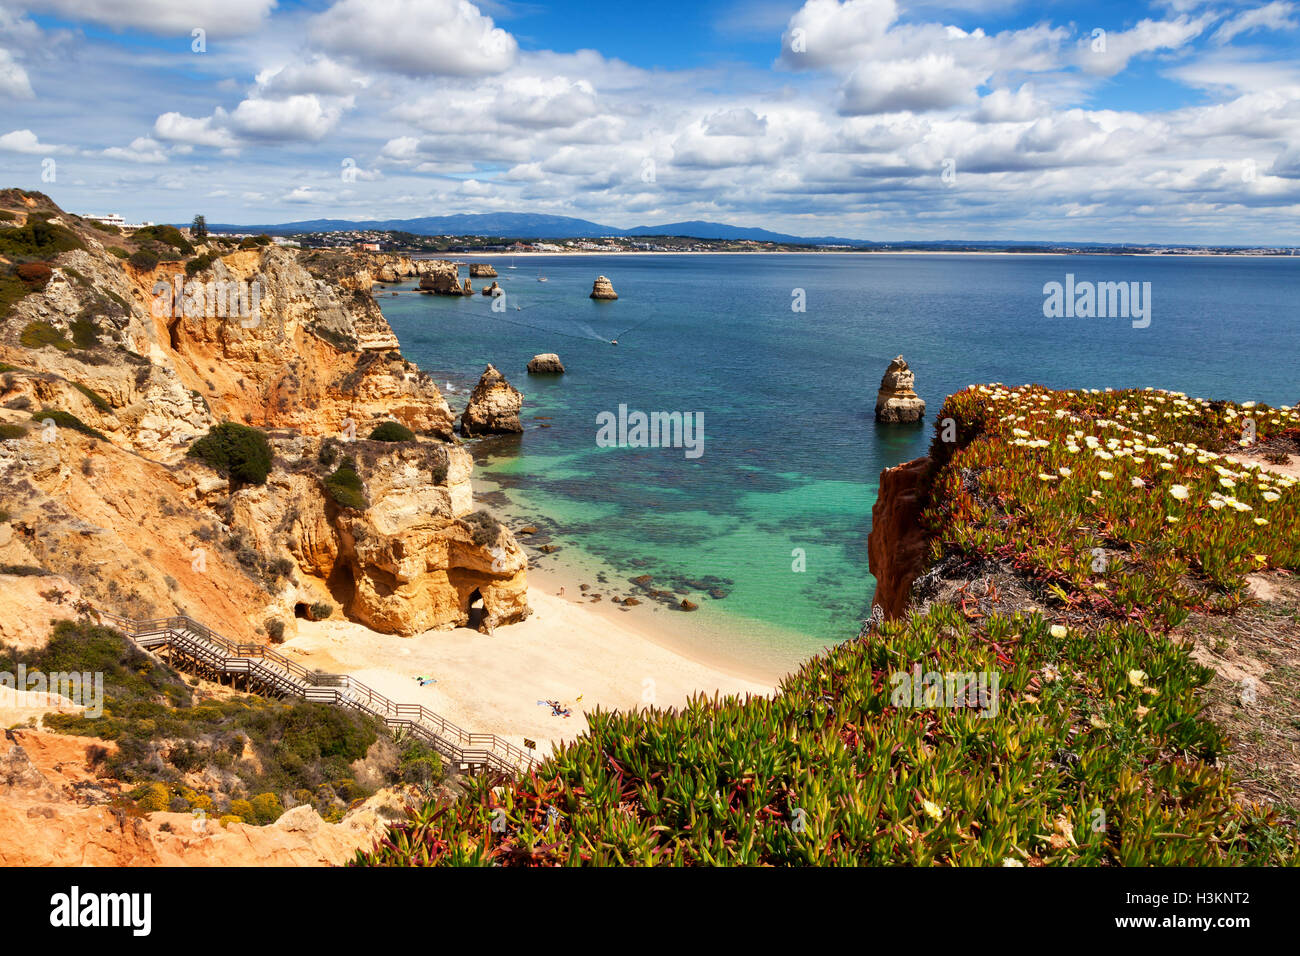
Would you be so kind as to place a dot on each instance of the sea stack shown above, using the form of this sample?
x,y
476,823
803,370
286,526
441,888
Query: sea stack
x,y
547,363
493,407
896,401
494,290
438,278
482,270
602,288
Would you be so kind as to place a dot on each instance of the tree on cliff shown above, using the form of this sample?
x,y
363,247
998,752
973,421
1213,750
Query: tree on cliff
x,y
199,227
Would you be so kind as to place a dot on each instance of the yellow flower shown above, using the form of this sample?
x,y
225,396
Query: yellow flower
x,y
1261,521
1059,630
1137,677
932,810
1105,475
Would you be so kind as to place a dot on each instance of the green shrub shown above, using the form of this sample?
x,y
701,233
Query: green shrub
x,y
321,610
168,235
10,431
346,488
266,808
64,419
143,260
392,432
420,764
38,334
274,630
484,528
152,797
7,216
197,265
119,252
104,227
99,401
39,239
239,452
85,334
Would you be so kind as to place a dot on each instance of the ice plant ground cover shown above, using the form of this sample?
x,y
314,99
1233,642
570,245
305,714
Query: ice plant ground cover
x,y
1097,755
1122,503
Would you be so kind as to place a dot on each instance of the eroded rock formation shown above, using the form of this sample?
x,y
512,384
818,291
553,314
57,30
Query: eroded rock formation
x,y
602,288
493,407
547,363
482,270
897,401
439,277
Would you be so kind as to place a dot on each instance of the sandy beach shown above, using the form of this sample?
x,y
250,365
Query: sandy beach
x,y
492,683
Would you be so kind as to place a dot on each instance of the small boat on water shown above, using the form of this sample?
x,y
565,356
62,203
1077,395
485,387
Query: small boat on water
x,y
541,279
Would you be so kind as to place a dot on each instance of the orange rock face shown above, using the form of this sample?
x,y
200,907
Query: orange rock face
x,y
897,546
44,821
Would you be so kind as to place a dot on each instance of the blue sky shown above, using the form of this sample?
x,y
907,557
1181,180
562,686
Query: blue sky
x,y
1172,121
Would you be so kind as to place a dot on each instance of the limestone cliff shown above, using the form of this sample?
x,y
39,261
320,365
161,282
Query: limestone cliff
x,y
131,349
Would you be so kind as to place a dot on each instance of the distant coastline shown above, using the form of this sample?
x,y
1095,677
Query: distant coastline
x,y
496,254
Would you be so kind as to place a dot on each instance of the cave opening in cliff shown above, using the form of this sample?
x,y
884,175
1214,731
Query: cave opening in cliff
x,y
300,611
342,584
475,608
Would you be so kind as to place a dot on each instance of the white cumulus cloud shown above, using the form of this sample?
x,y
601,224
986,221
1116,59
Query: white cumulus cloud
x,y
416,37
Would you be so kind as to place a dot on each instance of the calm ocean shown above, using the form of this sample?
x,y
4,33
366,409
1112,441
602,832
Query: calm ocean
x,y
791,454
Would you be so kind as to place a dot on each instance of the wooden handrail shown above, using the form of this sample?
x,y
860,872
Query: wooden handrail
x,y
188,635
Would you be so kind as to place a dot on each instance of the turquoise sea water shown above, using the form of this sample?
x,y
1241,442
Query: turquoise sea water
x,y
791,452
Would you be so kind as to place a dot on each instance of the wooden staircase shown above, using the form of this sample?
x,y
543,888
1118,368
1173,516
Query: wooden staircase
x,y
190,646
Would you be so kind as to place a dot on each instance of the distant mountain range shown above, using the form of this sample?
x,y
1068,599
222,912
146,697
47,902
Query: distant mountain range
x,y
527,225
524,225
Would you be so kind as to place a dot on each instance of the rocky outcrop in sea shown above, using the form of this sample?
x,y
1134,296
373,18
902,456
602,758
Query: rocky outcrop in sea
x,y
547,363
602,288
493,407
896,401
482,270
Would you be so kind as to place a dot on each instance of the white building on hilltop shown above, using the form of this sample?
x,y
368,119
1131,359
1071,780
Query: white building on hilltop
x,y
113,219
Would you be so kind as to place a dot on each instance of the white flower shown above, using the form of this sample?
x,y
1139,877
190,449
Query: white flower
x,y
1179,492
1105,475
1136,482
